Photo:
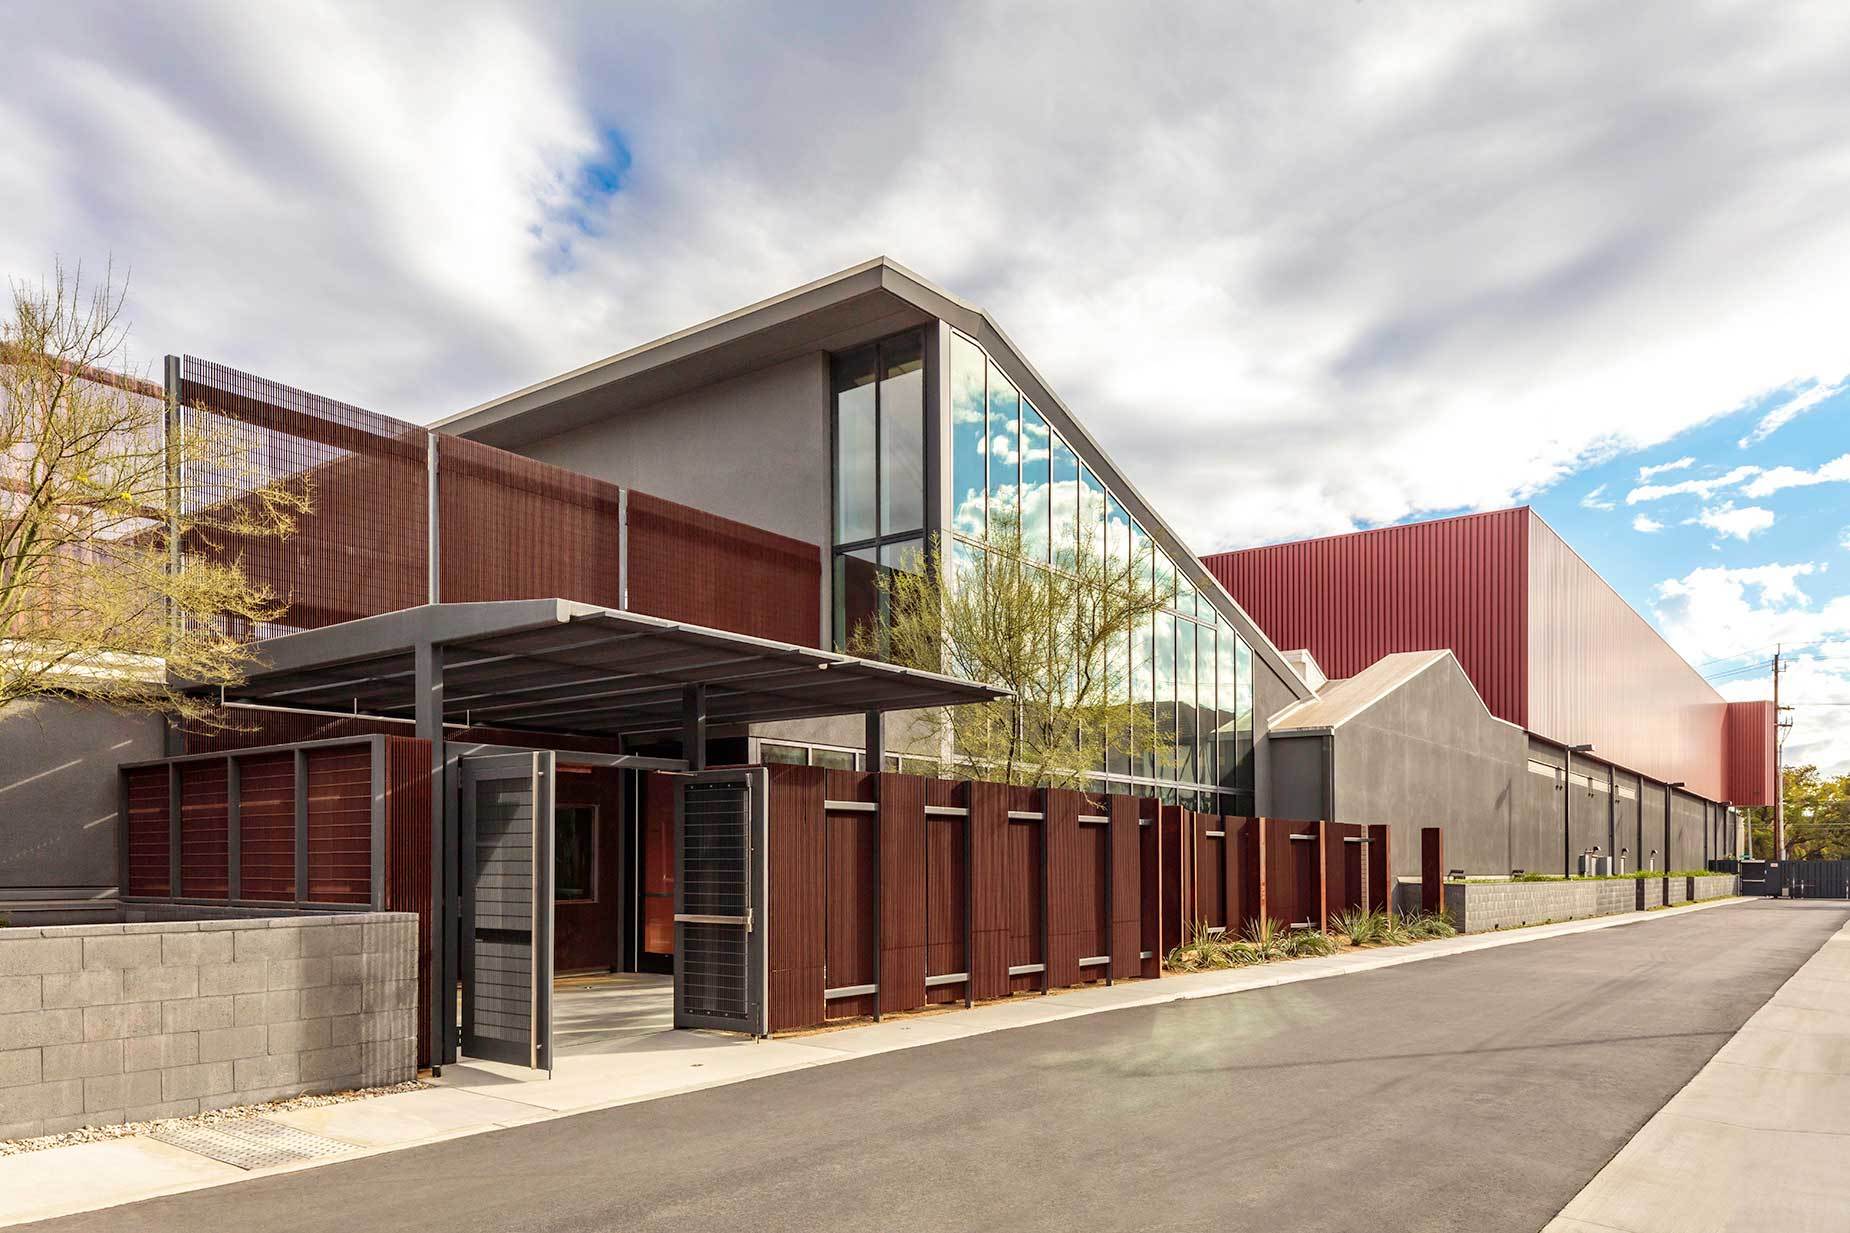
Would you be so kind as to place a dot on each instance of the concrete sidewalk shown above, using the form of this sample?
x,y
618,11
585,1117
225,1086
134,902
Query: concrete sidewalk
x,y
1758,1140
478,1097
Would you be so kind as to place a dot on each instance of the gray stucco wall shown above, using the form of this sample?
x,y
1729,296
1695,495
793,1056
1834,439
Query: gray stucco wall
x,y
58,805
114,1023
1429,754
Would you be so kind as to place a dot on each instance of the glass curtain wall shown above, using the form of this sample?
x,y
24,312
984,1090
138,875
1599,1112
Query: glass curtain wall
x,y
1187,664
879,438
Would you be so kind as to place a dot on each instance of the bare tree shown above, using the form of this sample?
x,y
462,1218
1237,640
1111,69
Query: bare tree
x,y
1056,635
117,527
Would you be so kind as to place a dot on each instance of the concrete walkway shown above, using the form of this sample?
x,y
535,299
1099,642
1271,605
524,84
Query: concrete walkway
x,y
628,1068
1758,1140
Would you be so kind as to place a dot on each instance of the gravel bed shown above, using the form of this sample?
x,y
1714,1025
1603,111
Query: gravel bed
x,y
120,1130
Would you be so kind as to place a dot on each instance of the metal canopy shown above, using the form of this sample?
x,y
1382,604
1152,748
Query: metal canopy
x,y
558,666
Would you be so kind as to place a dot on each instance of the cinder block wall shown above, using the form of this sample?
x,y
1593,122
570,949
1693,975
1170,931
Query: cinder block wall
x,y
114,1023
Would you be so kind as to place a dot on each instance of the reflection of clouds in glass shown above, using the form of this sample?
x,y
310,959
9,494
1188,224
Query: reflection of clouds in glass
x,y
1002,449
967,518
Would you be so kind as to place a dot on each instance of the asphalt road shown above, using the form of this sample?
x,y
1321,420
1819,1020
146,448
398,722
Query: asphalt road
x,y
1477,1092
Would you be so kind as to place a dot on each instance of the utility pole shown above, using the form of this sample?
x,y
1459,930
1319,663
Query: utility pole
x,y
1779,775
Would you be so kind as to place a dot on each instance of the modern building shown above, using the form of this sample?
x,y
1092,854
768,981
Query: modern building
x,y
1470,661
757,473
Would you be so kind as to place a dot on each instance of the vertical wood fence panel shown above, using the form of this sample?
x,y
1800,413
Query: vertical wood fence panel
x,y
1150,846
1380,870
205,852
798,945
946,891
852,958
1432,869
1068,893
904,877
1126,887
989,827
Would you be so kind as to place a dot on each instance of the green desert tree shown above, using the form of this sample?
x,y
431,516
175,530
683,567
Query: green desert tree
x,y
118,530
1057,637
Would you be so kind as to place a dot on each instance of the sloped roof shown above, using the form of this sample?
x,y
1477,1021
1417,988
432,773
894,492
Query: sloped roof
x,y
1341,701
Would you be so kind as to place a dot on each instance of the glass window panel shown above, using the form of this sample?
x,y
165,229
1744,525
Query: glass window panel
x,y
1036,484
1226,751
1185,595
1141,553
966,561
834,759
1243,718
1166,684
1091,511
1205,704
1004,447
787,755
969,438
1185,700
1117,535
1119,762
902,436
857,595
574,862
1165,579
854,448
1143,694
1064,511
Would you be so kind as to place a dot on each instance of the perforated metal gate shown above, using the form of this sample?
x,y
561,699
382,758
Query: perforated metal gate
x,y
721,909
507,875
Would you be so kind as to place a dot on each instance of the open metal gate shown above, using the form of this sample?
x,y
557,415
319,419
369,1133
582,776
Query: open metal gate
x,y
721,900
507,872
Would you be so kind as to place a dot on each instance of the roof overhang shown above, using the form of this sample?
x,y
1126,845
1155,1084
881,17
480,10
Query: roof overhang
x,y
552,665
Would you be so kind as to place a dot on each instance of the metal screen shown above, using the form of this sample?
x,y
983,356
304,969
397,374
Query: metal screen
x,y
507,908
720,909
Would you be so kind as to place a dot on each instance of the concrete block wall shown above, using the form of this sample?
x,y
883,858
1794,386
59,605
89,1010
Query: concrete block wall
x,y
1476,907
127,1022
1650,893
1714,886
1676,890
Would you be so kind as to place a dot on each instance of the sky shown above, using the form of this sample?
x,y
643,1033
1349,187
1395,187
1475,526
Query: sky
x,y
1301,268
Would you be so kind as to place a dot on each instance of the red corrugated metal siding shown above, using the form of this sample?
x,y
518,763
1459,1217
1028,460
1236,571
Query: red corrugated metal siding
x,y
798,874
340,845
1750,753
1456,583
1599,673
150,871
205,850
266,827
904,879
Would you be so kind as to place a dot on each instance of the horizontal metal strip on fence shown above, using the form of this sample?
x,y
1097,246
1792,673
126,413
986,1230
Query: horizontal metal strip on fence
x,y
947,978
946,811
1094,819
1026,969
1095,961
1305,838
1026,815
849,991
1214,834
696,918
850,807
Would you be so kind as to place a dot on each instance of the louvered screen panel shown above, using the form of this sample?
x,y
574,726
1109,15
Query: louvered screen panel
x,y
204,830
716,865
266,828
340,841
149,871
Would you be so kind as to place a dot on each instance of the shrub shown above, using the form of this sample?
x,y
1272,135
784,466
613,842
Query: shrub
x,y
1424,926
1308,944
1360,926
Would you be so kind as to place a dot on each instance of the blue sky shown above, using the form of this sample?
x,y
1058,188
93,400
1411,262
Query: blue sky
x,y
1300,268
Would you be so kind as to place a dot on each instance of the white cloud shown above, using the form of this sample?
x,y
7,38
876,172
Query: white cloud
x,y
1593,500
1296,289
1812,395
1646,524
1680,464
1731,619
1836,471
1727,521
1700,487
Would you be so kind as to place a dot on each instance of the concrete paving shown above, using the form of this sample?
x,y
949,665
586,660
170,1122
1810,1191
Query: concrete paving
x,y
1476,1092
1760,1139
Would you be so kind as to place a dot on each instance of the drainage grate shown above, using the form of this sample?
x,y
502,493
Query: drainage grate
x,y
251,1143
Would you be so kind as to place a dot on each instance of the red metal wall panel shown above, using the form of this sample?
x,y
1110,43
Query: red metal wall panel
x,y
853,879
689,565
945,895
1292,876
1126,887
1750,753
266,828
1457,583
205,851
340,861
1380,870
148,842
1600,673
989,828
